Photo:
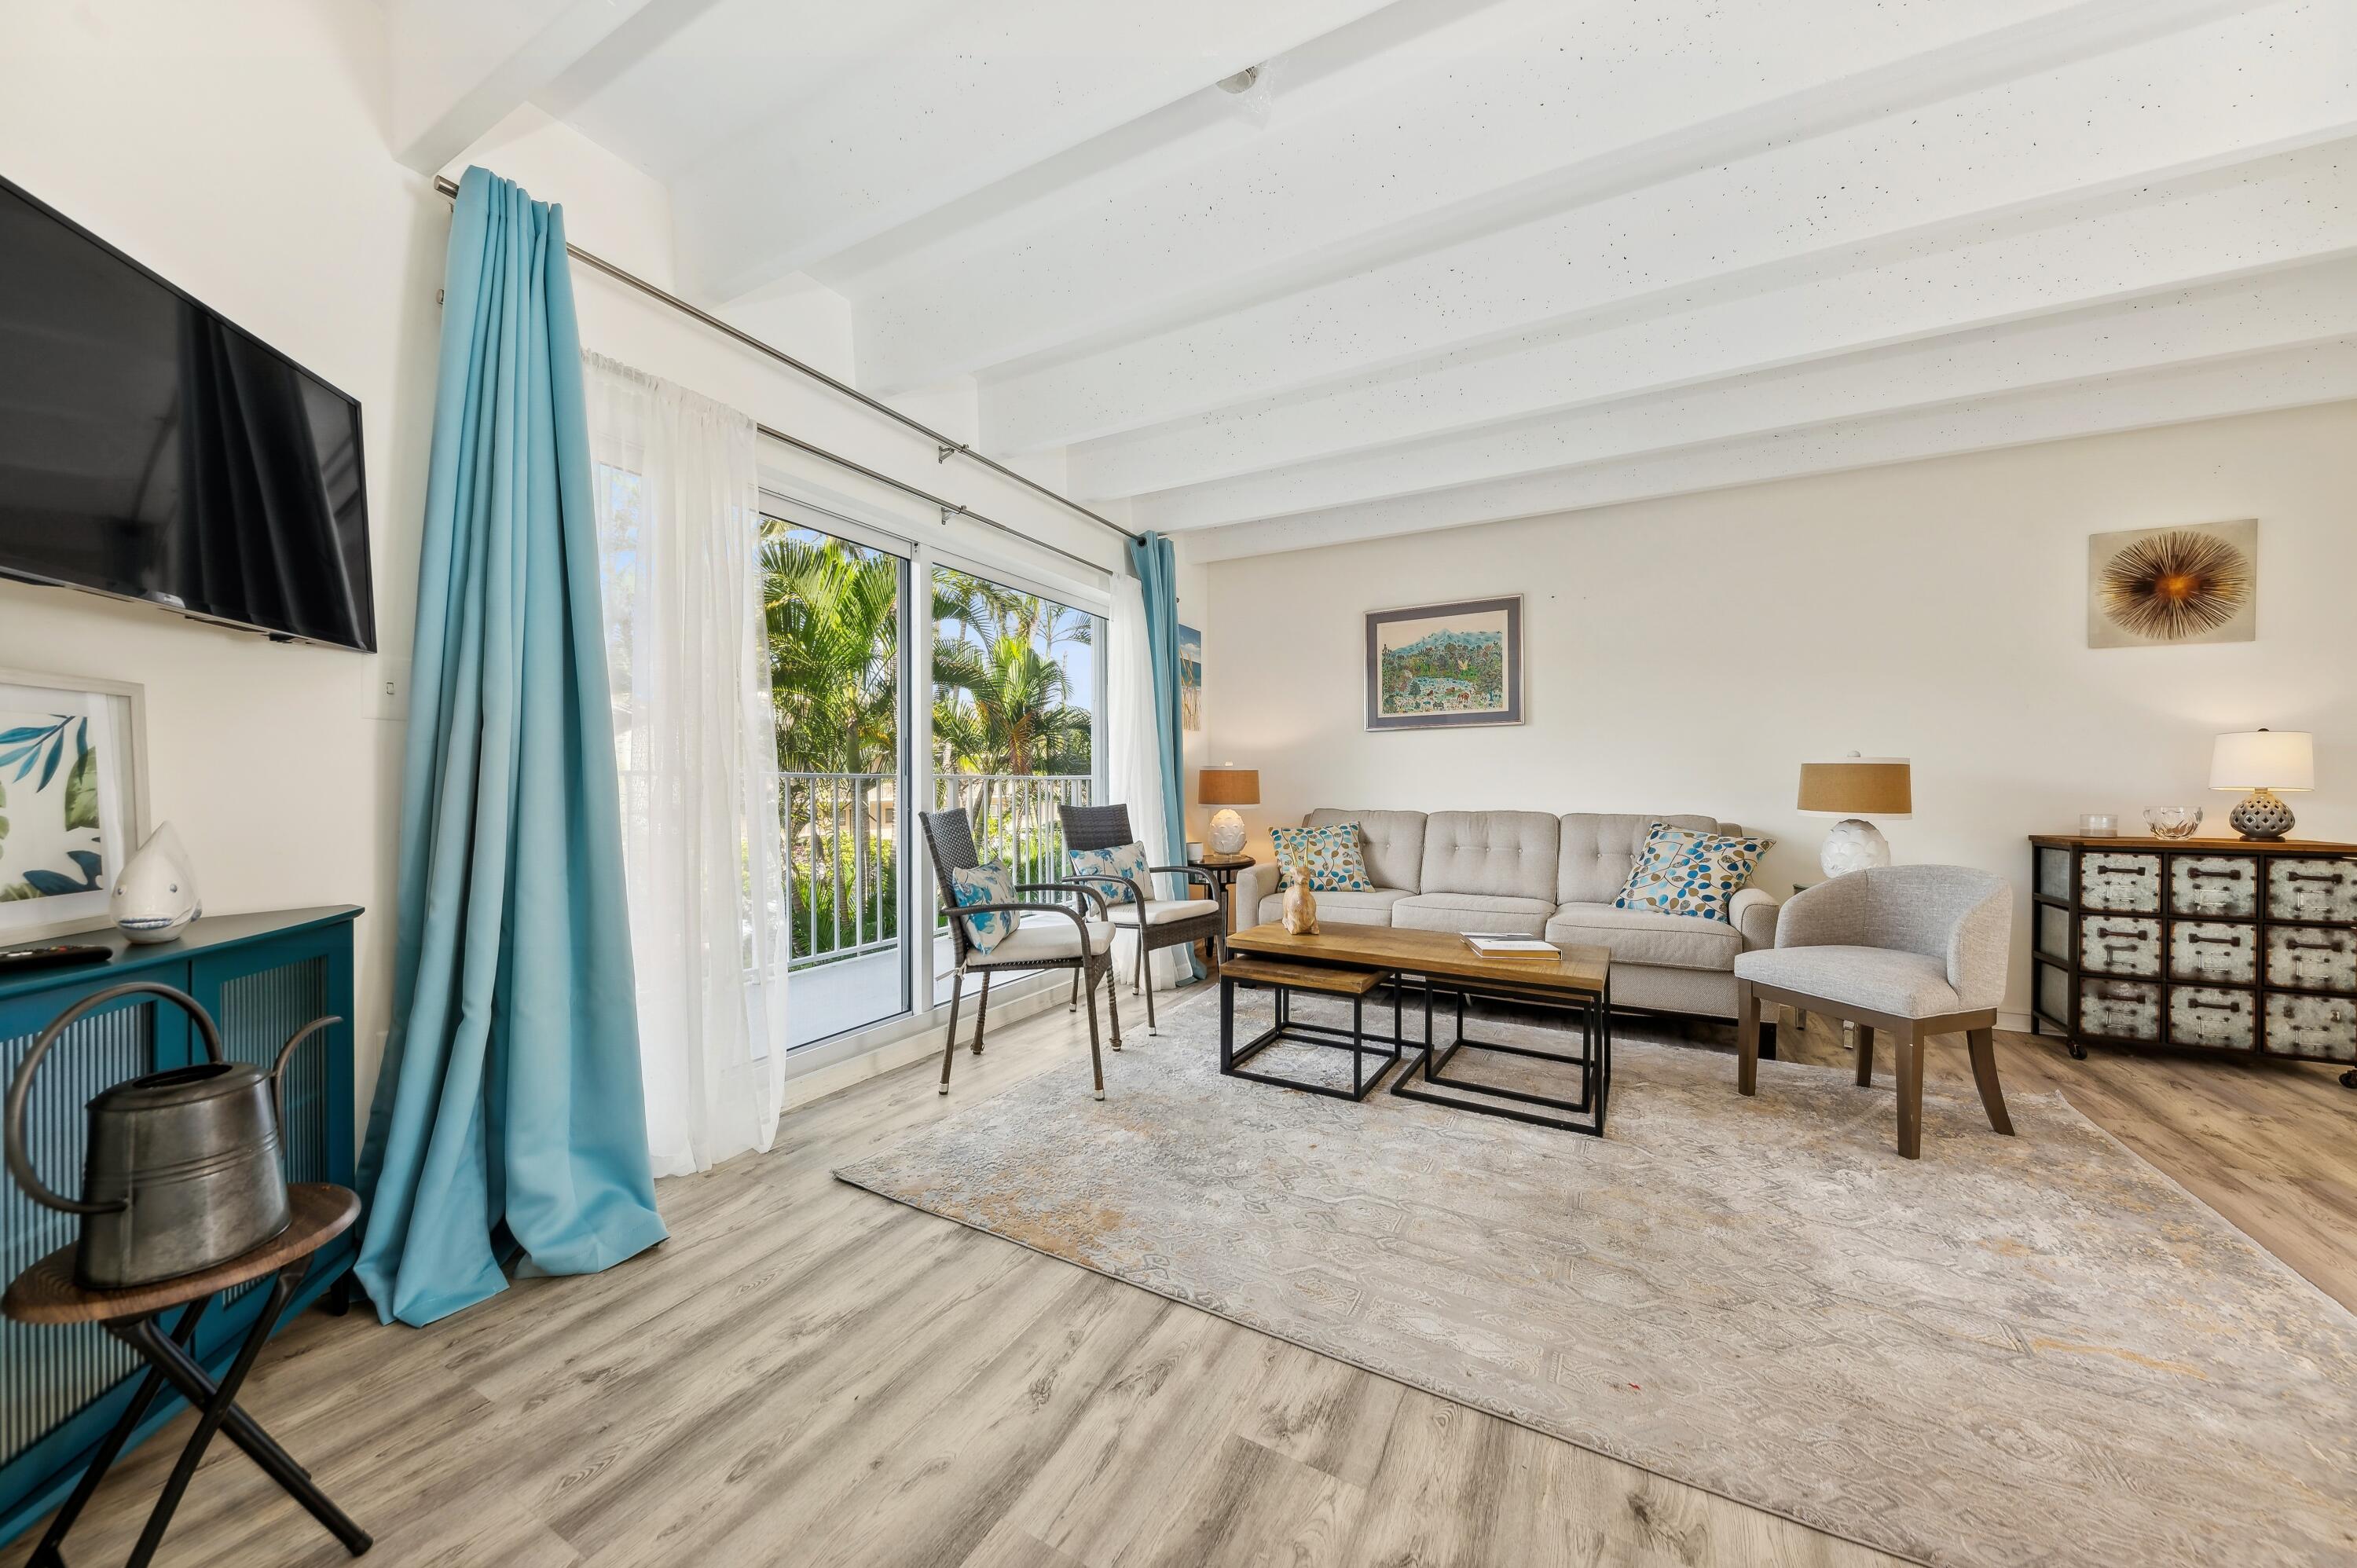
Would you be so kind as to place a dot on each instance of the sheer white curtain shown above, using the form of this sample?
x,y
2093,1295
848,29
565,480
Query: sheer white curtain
x,y
694,736
1133,758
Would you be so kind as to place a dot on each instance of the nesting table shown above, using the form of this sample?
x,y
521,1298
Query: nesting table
x,y
1352,961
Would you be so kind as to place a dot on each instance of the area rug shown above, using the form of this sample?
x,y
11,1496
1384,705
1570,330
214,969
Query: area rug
x,y
2035,1349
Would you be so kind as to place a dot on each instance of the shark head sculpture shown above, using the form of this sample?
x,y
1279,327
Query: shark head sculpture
x,y
155,896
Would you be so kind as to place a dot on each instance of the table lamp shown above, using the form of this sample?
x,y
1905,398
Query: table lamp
x,y
1854,788
2263,761
1227,787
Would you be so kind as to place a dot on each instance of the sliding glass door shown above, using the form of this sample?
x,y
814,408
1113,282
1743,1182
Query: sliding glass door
x,y
836,615
983,694
1017,675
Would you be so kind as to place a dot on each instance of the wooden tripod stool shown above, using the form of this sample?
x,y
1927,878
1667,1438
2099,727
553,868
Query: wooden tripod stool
x,y
46,1292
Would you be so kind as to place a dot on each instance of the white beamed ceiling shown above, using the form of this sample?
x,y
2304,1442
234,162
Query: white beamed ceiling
x,y
1449,262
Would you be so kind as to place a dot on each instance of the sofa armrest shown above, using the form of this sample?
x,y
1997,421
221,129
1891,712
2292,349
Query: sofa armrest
x,y
1752,913
1252,883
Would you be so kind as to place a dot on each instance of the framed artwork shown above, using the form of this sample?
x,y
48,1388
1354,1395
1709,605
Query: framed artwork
x,y
1448,666
1190,677
2196,582
73,798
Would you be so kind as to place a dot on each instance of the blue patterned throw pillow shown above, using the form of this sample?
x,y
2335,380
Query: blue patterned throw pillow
x,y
1331,855
985,884
1103,868
1682,871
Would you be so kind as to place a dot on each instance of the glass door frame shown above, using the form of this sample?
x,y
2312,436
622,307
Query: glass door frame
x,y
798,514
1071,595
905,540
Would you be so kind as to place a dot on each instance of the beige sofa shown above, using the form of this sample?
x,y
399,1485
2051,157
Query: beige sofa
x,y
1534,874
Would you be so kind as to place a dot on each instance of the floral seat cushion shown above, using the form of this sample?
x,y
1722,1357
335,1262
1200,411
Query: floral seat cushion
x,y
1682,871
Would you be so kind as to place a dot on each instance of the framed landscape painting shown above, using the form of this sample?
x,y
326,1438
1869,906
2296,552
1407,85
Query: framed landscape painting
x,y
1448,666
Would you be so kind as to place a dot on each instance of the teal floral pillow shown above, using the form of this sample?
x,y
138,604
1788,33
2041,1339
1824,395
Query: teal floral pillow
x,y
985,884
1682,871
1332,854
1102,868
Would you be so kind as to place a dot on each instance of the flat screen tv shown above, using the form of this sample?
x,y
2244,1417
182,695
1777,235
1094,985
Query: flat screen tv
x,y
151,449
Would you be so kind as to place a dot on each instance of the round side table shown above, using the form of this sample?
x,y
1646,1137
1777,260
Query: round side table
x,y
46,1292
1224,870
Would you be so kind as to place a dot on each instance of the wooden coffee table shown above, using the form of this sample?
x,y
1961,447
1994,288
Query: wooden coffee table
x,y
1579,983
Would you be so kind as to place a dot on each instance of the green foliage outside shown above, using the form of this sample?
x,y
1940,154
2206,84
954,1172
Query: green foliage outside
x,y
1001,704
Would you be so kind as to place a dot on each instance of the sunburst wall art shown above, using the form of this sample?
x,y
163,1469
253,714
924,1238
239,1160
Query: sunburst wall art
x,y
2198,582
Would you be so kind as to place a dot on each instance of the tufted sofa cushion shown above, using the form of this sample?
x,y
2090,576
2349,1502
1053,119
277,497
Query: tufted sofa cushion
x,y
1498,915
1505,854
1598,848
1393,843
1642,936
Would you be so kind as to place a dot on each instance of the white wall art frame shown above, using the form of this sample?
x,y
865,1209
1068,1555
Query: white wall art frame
x,y
73,798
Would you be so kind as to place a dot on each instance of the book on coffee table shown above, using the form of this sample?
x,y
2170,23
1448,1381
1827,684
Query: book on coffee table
x,y
1529,948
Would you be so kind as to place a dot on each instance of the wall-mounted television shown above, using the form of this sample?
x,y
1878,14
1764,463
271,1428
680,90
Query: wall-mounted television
x,y
153,450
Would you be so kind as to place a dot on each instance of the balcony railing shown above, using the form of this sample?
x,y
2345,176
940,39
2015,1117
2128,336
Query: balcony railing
x,y
842,838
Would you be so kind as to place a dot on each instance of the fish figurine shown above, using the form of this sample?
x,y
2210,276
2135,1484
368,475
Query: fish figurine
x,y
155,896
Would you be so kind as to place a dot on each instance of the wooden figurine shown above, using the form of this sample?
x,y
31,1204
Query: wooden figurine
x,y
1300,904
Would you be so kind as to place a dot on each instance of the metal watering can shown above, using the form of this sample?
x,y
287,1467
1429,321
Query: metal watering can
x,y
182,1171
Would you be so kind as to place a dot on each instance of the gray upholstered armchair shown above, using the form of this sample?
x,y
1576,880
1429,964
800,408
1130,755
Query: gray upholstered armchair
x,y
1914,950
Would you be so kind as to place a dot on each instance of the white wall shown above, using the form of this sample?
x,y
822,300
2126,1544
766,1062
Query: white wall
x,y
1687,654
243,151
239,151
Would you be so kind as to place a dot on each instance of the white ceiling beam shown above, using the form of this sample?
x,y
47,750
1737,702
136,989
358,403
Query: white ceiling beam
x,y
2107,124
1523,108
2286,211
983,93
2306,305
459,67
2281,379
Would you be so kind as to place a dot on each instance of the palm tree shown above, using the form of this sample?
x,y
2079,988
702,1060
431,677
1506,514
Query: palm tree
x,y
1002,703
832,616
1001,700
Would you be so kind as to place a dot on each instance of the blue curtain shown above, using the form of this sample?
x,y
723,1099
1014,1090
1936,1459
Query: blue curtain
x,y
1150,558
508,1124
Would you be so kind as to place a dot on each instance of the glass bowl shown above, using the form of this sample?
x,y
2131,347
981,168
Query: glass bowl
x,y
2172,821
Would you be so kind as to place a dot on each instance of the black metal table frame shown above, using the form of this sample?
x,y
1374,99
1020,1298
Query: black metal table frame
x,y
1583,1115
1354,1039
171,1359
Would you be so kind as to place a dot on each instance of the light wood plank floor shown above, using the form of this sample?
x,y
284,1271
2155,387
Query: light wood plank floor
x,y
810,1374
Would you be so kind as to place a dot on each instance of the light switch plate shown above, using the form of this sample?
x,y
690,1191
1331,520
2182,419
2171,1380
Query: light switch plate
x,y
392,688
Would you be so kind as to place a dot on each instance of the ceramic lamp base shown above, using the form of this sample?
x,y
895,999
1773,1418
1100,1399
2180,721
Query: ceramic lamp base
x,y
1226,835
1855,844
2261,814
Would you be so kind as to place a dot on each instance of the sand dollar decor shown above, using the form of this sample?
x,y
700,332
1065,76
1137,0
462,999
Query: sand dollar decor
x,y
2193,583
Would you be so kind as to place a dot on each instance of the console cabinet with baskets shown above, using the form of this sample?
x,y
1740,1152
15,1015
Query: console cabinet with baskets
x,y
2225,945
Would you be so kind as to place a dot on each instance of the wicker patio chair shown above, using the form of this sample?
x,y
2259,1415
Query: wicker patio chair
x,y
1160,922
1039,941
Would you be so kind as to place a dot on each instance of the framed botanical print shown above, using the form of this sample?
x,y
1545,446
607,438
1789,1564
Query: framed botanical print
x,y
1190,677
1448,666
73,798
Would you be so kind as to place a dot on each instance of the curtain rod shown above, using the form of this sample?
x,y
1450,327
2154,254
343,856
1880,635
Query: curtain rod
x,y
944,448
